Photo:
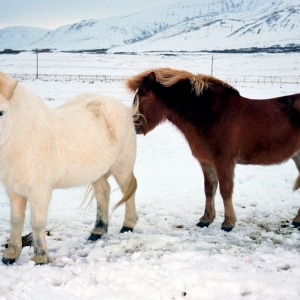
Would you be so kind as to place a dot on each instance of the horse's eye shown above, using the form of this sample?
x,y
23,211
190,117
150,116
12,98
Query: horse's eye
x,y
1,113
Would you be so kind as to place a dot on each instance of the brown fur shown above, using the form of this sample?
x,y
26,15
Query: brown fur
x,y
222,127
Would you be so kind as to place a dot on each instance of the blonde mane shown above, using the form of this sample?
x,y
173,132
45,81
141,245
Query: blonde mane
x,y
168,77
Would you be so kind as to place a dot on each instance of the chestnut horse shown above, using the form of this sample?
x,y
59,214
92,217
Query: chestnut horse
x,y
222,127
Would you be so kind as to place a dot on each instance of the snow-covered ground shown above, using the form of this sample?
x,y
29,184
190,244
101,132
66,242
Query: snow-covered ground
x,y
167,256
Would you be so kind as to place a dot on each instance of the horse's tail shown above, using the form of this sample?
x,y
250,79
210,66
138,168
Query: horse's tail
x,y
132,186
89,194
297,184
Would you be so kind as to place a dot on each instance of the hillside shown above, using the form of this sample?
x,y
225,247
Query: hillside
x,y
19,37
187,26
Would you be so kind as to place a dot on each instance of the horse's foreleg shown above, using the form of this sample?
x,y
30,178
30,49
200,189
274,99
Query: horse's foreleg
x,y
210,187
18,206
296,159
127,183
225,175
102,194
39,205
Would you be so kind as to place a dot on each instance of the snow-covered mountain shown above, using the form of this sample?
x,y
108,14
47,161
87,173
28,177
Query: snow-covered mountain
x,y
260,25
17,37
186,26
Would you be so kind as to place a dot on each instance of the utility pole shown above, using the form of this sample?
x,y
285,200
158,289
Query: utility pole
x,y
212,65
37,63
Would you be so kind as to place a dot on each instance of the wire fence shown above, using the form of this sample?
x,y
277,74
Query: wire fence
x,y
250,79
65,77
263,80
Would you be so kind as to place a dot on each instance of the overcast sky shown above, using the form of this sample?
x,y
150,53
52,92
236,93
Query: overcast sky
x,y
51,14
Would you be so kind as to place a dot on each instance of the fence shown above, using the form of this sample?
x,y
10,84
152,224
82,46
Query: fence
x,y
254,80
64,77
262,80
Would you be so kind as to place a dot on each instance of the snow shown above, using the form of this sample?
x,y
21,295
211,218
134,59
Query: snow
x,y
167,256
188,25
16,36
243,25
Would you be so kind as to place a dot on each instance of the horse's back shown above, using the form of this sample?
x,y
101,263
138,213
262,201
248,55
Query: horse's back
x,y
84,99
96,131
98,107
264,131
101,106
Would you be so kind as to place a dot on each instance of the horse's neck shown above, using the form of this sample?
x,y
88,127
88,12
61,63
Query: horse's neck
x,y
177,120
29,112
27,104
181,116
29,117
187,128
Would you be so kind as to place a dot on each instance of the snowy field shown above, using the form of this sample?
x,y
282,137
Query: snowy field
x,y
167,256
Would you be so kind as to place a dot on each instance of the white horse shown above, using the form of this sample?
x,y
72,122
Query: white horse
x,y
78,143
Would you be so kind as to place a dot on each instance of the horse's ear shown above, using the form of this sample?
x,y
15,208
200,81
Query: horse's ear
x,y
7,85
152,77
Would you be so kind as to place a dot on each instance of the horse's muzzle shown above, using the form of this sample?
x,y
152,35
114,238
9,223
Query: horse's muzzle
x,y
138,129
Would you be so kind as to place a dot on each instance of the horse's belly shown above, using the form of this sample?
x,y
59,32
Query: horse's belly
x,y
82,174
73,180
267,157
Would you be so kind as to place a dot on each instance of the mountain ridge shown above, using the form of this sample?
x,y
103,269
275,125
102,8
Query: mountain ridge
x,y
216,25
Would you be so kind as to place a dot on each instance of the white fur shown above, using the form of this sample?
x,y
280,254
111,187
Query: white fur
x,y
75,144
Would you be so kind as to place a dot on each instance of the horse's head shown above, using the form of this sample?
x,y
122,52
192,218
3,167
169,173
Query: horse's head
x,y
147,104
7,87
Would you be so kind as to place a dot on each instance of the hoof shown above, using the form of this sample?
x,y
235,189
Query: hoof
x,y
126,229
94,237
227,229
202,224
296,224
8,261
39,264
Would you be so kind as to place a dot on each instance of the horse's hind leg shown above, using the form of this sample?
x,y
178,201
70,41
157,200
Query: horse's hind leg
x,y
122,170
18,206
296,159
210,187
127,183
102,194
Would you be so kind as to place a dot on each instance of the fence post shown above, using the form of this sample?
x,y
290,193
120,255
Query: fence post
x,y
37,63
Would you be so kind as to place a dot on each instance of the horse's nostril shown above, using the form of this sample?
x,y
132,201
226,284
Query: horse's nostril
x,y
1,112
